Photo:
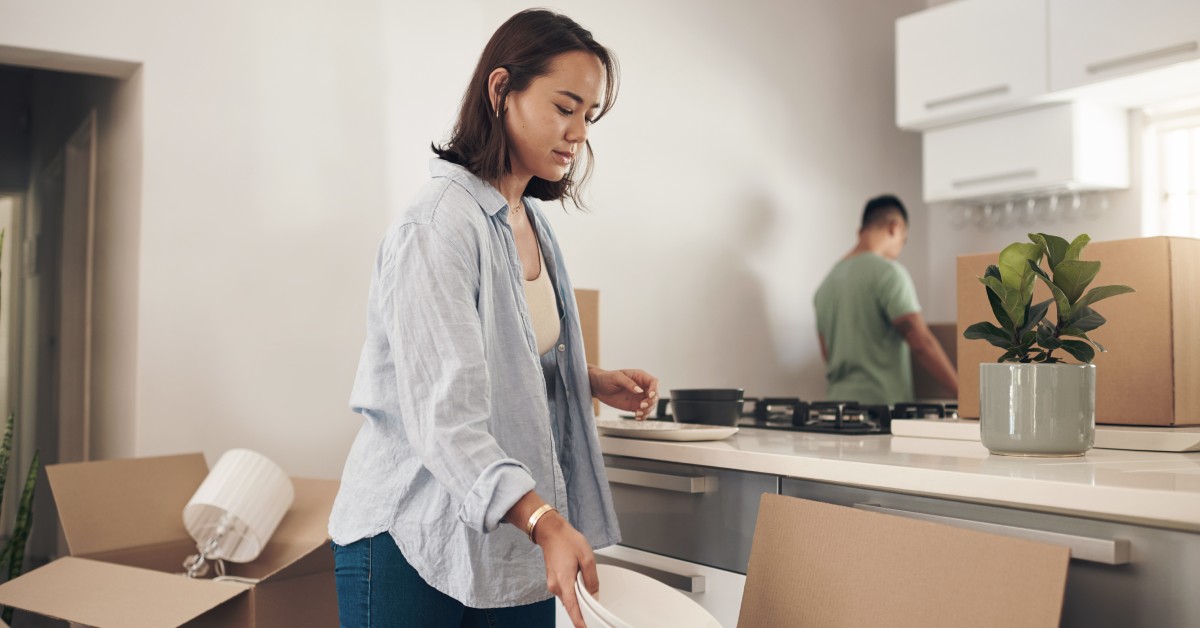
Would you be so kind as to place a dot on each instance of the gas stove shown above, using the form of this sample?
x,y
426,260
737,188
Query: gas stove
x,y
836,417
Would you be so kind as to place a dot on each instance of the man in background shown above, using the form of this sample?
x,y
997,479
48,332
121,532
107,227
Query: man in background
x,y
868,317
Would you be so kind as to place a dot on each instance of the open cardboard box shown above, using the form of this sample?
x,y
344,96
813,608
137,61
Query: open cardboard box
x,y
1149,375
123,521
816,564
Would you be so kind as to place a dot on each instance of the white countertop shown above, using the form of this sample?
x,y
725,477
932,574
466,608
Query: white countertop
x,y
1148,488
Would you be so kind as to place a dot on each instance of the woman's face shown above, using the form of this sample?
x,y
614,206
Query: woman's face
x,y
547,122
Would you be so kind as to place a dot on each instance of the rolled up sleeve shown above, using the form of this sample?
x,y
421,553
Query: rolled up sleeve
x,y
436,340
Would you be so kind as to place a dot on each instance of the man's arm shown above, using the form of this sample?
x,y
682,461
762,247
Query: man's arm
x,y
824,349
927,350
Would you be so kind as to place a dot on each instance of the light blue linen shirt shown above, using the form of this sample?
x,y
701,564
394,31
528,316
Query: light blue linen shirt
x,y
461,415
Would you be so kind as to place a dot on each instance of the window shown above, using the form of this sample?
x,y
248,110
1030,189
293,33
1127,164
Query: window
x,y
1172,202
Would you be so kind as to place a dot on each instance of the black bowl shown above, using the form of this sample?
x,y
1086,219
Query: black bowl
x,y
707,394
707,412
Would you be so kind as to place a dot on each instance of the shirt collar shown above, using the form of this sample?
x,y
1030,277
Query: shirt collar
x,y
484,193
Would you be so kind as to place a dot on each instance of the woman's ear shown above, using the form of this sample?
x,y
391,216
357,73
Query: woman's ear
x,y
497,89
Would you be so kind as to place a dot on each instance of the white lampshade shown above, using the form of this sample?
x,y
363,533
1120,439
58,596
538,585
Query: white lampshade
x,y
239,505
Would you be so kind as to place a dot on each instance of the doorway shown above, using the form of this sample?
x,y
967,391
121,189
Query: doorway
x,y
52,186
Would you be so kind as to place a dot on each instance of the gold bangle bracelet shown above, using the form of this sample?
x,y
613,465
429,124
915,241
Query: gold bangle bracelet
x,y
534,518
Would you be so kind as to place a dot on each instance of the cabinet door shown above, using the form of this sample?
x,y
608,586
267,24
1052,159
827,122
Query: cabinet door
x,y
1096,40
1027,150
1075,145
1150,582
967,59
697,514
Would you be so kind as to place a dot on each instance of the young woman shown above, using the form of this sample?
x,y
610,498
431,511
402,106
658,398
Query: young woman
x,y
475,490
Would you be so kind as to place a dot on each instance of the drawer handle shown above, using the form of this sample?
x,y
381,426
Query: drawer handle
x,y
683,582
1086,548
1104,66
1028,173
998,90
662,481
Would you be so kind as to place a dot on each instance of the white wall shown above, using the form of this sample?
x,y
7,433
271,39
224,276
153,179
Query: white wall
x,y
730,177
262,194
278,137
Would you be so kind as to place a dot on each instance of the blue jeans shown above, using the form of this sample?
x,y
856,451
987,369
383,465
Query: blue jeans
x,y
377,588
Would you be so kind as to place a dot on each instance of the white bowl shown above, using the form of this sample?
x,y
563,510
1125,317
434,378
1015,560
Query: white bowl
x,y
594,615
632,600
590,618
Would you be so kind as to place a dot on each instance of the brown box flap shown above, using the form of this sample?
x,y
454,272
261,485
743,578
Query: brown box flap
x,y
118,504
103,594
307,520
814,564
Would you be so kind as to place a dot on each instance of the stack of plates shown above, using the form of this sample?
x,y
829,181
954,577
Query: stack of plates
x,y
632,600
663,430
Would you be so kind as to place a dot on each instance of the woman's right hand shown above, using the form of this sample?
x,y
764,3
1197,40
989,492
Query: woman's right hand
x,y
567,553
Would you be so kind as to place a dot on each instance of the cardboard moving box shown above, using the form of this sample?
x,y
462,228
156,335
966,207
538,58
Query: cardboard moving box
x,y
1151,373
816,564
123,520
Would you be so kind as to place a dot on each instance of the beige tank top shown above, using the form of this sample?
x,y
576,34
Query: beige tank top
x,y
543,309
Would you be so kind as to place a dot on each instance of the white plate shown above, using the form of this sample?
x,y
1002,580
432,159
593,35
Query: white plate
x,y
663,430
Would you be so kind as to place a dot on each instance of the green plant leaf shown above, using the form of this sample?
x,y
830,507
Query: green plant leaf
x,y
1013,263
1080,349
1076,247
1099,347
1026,295
1060,299
989,332
1073,276
1085,319
1009,355
1010,300
1102,292
1037,313
1046,337
995,302
1054,247
22,528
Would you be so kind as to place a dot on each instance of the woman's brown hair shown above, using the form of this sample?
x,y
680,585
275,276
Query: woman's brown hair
x,y
525,45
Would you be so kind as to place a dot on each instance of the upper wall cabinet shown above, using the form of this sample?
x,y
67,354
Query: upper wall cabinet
x,y
1097,40
1064,146
970,58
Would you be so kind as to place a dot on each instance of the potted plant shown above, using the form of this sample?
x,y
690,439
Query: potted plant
x,y
1031,403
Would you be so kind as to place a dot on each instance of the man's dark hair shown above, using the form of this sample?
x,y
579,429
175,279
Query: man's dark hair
x,y
525,45
880,210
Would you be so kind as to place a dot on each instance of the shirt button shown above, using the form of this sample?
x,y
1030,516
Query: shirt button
x,y
562,348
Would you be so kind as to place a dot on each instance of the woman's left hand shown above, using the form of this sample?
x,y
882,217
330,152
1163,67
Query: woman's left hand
x,y
632,390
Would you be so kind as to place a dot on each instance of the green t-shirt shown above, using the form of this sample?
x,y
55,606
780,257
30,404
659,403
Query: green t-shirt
x,y
856,304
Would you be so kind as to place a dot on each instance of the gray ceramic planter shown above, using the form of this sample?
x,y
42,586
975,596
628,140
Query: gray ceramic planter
x,y
1037,409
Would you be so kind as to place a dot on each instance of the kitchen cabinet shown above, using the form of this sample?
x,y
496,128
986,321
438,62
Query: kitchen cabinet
x,y
1071,145
1097,40
688,526
692,513
1120,574
968,59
